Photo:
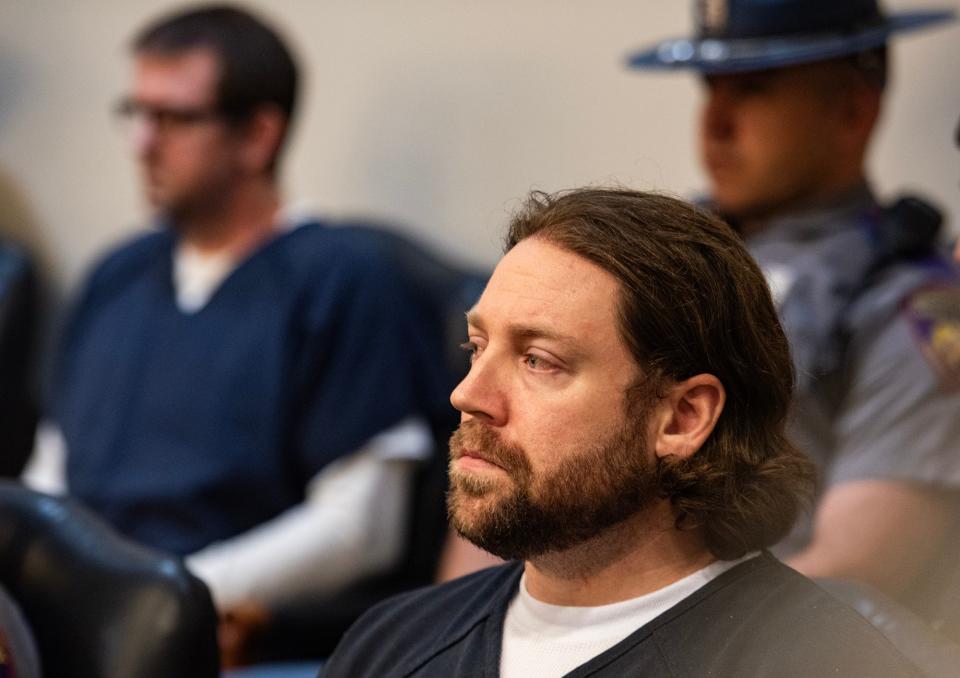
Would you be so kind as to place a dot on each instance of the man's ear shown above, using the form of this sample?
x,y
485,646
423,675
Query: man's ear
x,y
687,415
262,136
858,110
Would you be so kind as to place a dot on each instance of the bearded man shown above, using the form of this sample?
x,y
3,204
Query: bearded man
x,y
622,441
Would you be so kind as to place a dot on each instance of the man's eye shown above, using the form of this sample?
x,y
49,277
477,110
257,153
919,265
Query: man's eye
x,y
166,119
753,87
472,348
537,363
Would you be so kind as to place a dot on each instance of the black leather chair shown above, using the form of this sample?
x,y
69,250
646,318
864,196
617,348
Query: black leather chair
x,y
100,606
19,317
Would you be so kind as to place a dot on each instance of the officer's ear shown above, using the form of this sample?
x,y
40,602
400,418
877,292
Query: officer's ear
x,y
856,101
861,107
687,414
850,104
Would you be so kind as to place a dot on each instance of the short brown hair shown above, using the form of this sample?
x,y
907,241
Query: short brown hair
x,y
693,301
257,67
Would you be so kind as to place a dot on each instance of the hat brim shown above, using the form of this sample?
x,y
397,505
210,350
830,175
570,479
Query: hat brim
x,y
717,56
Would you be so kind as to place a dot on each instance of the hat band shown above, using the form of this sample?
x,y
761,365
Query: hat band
x,y
749,30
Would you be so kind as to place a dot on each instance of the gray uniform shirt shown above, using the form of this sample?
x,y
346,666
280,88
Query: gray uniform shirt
x,y
875,398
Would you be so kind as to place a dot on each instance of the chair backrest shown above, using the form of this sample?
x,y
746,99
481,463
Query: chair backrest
x,y
19,319
100,606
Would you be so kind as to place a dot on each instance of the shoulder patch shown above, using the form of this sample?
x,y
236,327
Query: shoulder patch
x,y
934,316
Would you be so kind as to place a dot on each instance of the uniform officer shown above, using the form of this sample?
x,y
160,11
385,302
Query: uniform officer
x,y
793,90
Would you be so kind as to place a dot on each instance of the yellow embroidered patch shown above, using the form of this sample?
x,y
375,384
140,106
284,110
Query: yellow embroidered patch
x,y
934,315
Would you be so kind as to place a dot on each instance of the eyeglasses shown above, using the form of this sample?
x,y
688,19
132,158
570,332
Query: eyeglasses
x,y
164,119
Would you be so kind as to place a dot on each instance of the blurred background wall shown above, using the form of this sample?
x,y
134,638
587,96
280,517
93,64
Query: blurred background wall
x,y
436,114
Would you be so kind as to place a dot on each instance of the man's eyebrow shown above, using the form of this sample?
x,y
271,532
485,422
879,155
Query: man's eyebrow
x,y
527,331
540,332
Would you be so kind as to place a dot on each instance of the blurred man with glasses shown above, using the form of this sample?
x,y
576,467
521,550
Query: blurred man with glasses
x,y
246,386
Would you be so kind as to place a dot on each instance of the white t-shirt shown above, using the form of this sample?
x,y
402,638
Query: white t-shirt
x,y
549,641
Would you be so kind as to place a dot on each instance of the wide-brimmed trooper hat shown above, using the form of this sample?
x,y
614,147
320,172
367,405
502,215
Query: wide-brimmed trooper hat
x,y
751,35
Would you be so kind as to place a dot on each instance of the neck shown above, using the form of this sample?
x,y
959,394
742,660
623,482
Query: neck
x,y
637,557
756,220
239,224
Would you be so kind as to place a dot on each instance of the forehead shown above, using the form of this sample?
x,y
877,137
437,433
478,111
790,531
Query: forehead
x,y
540,285
181,78
799,80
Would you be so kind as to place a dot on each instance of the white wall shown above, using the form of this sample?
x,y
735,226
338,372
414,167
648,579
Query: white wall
x,y
436,113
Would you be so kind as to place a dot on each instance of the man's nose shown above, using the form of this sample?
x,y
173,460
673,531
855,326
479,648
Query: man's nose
x,y
482,393
143,135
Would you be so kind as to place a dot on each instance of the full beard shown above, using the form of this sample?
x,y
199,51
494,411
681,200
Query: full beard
x,y
521,516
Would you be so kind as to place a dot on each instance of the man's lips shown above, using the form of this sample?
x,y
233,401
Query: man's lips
x,y
477,460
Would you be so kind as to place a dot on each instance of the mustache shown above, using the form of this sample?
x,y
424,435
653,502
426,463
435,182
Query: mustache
x,y
480,440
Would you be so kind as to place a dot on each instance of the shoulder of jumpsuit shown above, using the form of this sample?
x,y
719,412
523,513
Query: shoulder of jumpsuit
x,y
360,252
402,633
432,275
112,272
339,274
317,250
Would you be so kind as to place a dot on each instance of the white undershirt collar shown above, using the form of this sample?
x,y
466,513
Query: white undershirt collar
x,y
198,275
551,640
